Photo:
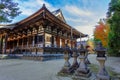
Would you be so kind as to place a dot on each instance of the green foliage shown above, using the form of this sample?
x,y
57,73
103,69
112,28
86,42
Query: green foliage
x,y
8,10
96,41
114,21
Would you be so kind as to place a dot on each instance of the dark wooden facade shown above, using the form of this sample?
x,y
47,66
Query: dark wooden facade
x,y
40,33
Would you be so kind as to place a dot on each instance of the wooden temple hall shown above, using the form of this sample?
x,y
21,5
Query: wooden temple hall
x,y
43,32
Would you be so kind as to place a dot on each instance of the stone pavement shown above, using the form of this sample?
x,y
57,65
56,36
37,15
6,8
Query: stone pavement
x,y
15,69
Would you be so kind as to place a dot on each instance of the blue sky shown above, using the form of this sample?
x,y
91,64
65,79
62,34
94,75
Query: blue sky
x,y
80,14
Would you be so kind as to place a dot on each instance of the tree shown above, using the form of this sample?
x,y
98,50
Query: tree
x,y
114,21
101,32
90,45
8,10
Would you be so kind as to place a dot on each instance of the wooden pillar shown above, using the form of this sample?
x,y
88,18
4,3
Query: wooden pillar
x,y
1,41
58,41
12,44
9,46
30,41
33,41
54,41
5,43
43,29
27,42
68,42
18,42
36,49
22,42
75,43
72,44
37,38
44,39
63,43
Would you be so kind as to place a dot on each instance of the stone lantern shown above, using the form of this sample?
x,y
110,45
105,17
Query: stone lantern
x,y
75,64
87,53
67,65
82,70
102,73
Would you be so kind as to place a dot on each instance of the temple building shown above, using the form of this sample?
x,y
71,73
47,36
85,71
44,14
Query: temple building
x,y
43,32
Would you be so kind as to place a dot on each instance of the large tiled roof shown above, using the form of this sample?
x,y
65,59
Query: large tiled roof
x,y
45,13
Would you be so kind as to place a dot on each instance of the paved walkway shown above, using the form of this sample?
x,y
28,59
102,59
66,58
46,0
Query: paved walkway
x,y
16,69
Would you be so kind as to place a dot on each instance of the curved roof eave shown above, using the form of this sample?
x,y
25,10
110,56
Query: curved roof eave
x,y
7,26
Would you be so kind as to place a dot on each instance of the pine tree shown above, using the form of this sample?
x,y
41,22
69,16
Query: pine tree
x,y
8,10
114,21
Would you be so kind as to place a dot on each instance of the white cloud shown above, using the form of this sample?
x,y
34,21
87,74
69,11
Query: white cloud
x,y
77,11
83,20
78,20
85,17
30,6
87,25
86,29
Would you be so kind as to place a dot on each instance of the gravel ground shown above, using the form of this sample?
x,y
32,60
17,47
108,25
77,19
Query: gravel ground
x,y
15,69
113,62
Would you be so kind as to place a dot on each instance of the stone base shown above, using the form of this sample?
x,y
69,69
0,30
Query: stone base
x,y
65,70
103,77
82,73
74,67
92,77
102,74
41,57
87,61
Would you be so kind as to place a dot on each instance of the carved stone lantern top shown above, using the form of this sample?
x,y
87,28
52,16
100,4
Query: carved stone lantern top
x,y
82,49
74,49
67,48
100,50
66,52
